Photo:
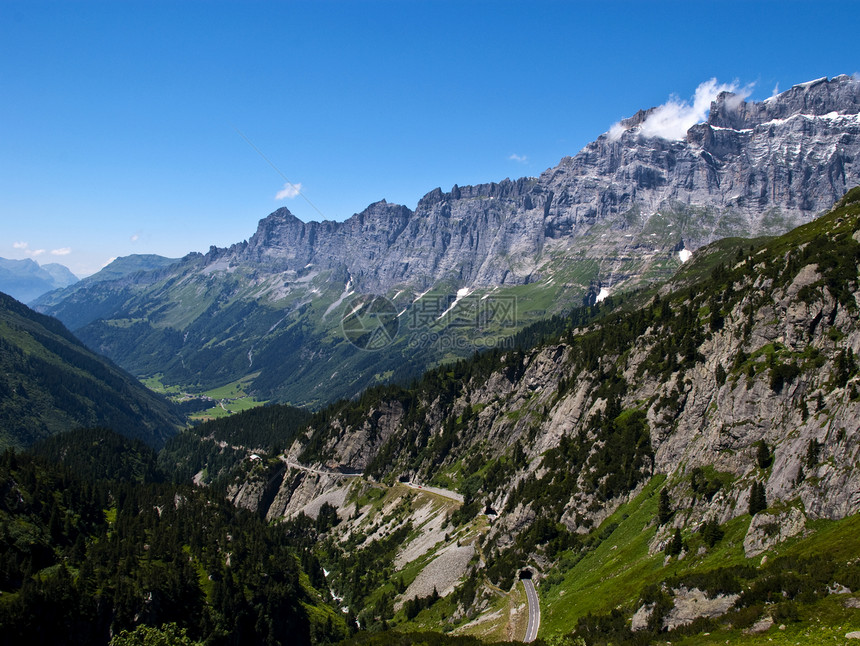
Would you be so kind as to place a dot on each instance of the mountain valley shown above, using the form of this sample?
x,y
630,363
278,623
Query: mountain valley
x,y
469,267
50,382
618,403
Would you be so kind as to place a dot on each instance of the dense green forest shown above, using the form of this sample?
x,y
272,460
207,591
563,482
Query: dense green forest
x,y
96,454
216,447
84,557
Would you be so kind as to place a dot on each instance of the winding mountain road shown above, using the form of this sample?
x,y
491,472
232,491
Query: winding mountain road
x,y
445,493
320,472
534,611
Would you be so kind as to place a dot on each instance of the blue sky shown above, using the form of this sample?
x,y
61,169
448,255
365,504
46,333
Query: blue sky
x,y
125,126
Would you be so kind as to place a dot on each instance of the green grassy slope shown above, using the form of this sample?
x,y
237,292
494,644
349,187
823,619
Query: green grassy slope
x,y
50,382
790,584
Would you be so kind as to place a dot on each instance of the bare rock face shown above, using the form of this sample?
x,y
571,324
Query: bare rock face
x,y
688,605
750,169
306,493
762,625
692,604
442,574
247,493
767,530
641,617
357,448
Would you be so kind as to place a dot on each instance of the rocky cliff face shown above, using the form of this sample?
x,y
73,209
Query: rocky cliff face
x,y
750,376
759,168
614,216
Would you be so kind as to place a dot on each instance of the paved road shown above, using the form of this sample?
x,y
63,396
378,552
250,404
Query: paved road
x,y
534,611
322,472
445,493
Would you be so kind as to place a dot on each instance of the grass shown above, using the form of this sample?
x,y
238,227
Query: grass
x,y
231,398
155,384
505,619
227,408
613,574
231,390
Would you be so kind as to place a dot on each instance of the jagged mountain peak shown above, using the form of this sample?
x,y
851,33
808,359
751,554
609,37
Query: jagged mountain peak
x,y
730,110
814,98
391,244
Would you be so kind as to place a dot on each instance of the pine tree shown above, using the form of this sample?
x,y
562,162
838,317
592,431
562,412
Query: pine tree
x,y
676,545
758,498
813,449
712,532
763,456
664,509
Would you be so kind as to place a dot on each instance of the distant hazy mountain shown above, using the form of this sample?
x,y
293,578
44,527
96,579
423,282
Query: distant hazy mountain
x,y
50,382
121,270
26,280
470,265
126,265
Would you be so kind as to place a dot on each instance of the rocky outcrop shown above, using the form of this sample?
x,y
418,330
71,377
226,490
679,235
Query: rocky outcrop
x,y
687,605
767,530
690,605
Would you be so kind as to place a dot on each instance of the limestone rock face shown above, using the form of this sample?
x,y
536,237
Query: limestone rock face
x,y
691,604
750,169
767,530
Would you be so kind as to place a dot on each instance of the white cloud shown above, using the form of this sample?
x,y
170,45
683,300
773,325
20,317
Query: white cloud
x,y
134,237
616,131
25,247
775,90
672,119
289,191
523,159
